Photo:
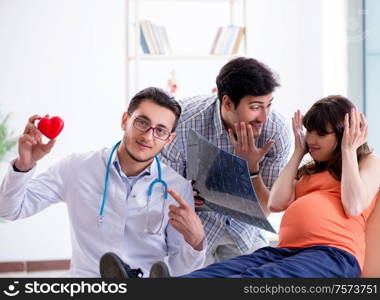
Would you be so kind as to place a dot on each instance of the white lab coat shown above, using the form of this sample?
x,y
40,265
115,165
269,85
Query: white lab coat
x,y
78,180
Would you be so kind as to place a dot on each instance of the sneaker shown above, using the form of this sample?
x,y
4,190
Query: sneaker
x,y
159,270
111,266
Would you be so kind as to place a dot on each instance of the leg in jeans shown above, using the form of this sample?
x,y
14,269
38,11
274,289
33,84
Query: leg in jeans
x,y
311,262
269,262
238,265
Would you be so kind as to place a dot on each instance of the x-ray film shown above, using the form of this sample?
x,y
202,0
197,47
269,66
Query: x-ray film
x,y
223,180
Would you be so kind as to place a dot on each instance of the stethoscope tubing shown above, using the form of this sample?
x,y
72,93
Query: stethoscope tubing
x,y
101,213
150,189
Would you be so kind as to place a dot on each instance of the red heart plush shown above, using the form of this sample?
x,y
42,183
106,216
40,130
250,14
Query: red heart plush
x,y
50,127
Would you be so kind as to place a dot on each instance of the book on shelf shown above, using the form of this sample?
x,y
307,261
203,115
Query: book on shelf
x,y
154,38
214,44
157,39
233,33
227,40
239,37
147,33
143,41
221,41
165,40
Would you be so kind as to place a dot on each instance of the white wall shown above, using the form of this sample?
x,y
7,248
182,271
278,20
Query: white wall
x,y
305,43
372,71
356,36
64,58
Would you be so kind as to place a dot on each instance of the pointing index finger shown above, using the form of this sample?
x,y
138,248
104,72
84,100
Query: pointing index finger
x,y
178,198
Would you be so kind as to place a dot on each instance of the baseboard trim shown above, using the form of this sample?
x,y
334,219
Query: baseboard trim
x,y
33,266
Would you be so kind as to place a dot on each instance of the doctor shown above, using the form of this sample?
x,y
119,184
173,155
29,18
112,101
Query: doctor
x,y
114,214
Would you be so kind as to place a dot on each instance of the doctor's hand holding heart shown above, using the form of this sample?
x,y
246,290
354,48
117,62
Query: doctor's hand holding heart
x,y
30,145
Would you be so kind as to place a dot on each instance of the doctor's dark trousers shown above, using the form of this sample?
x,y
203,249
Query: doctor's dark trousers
x,y
270,262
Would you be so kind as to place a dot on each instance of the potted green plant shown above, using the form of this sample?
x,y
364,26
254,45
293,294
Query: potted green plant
x,y
7,139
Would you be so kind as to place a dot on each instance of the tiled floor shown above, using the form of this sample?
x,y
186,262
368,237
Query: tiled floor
x,y
64,273
54,273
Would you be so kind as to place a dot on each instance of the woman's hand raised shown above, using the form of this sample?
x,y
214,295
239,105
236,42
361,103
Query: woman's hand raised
x,y
299,134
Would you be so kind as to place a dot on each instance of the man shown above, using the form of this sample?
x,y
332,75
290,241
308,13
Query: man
x,y
239,121
139,231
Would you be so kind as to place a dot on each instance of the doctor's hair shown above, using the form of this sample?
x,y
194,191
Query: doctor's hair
x,y
159,97
330,112
245,76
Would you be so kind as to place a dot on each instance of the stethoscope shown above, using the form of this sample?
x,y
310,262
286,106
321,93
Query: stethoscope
x,y
150,192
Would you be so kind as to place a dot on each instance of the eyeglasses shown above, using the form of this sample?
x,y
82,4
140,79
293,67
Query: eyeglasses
x,y
144,126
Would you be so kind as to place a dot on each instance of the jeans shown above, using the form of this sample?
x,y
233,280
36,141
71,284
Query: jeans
x,y
271,262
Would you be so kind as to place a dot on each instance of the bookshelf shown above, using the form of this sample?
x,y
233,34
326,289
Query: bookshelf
x,y
231,12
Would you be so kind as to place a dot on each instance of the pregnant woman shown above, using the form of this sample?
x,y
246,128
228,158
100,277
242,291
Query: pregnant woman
x,y
326,202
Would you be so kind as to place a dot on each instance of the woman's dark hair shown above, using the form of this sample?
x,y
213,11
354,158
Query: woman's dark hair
x,y
244,76
159,97
330,112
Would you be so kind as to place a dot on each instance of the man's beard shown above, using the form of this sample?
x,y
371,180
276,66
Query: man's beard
x,y
135,158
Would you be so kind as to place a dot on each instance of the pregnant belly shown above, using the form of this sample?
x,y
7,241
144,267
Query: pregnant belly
x,y
314,219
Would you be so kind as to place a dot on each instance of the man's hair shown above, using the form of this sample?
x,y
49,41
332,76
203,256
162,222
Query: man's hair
x,y
159,97
244,76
